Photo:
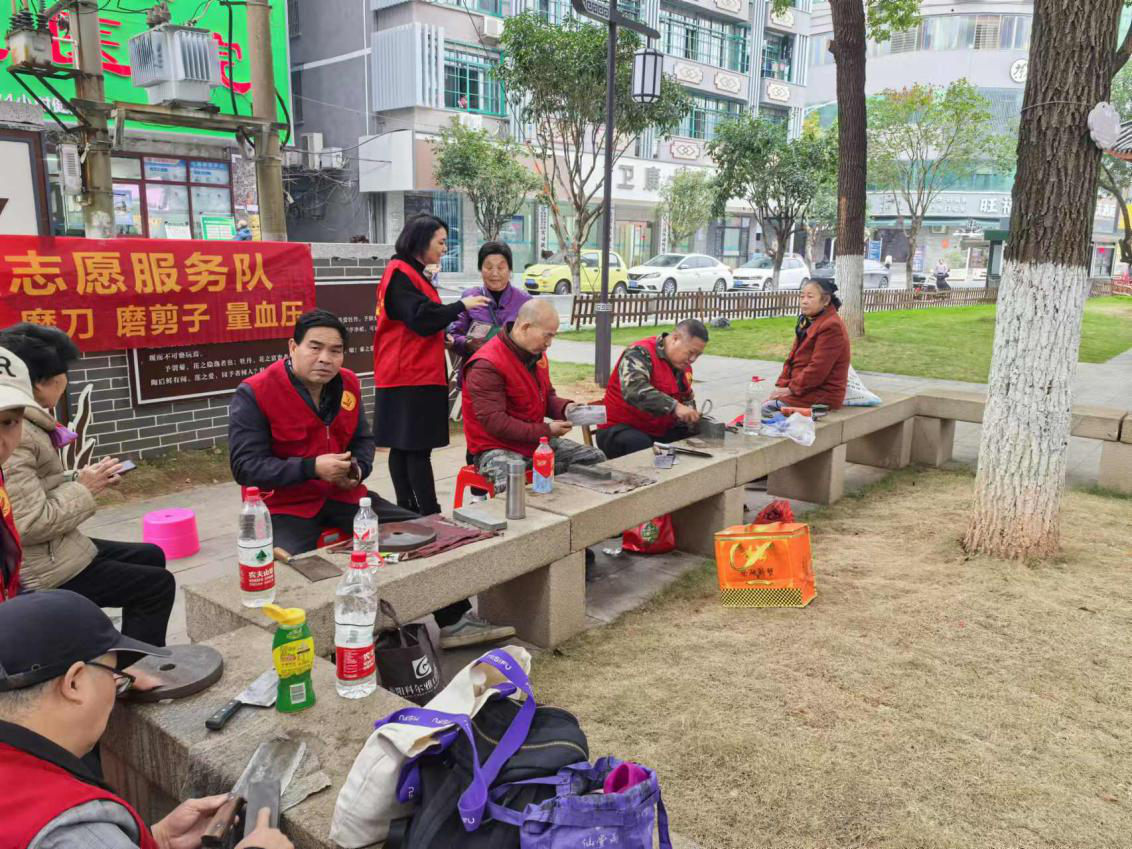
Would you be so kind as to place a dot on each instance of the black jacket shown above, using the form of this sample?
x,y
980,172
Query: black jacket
x,y
249,438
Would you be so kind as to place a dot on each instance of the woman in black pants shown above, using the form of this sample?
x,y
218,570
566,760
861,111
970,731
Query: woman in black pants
x,y
410,375
410,372
50,503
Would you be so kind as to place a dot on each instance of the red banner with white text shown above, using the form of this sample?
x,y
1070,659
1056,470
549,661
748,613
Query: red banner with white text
x,y
155,293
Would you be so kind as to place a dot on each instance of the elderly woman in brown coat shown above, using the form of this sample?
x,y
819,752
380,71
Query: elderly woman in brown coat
x,y
817,369
49,504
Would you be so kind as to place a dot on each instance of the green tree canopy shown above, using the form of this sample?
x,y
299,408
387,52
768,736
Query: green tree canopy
x,y
489,171
686,202
923,140
777,176
554,75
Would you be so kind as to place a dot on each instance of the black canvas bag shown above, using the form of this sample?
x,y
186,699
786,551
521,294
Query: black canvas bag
x,y
555,740
406,659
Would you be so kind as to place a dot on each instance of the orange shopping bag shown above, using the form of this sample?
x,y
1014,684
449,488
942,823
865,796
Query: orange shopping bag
x,y
765,565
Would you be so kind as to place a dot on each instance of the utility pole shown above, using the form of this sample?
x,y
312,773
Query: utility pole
x,y
268,159
603,310
98,204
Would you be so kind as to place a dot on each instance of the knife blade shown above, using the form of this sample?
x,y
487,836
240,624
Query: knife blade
x,y
260,693
277,758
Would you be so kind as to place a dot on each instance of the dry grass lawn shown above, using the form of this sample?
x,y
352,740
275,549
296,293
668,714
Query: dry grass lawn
x,y
922,701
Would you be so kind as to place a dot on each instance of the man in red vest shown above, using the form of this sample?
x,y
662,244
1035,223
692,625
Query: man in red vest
x,y
649,395
297,430
508,397
57,688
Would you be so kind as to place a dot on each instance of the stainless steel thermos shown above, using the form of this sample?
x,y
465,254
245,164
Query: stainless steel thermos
x,y
516,489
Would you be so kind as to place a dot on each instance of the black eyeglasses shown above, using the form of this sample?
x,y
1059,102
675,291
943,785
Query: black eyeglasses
x,y
122,680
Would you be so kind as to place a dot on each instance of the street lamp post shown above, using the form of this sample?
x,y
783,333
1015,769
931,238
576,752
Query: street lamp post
x,y
608,14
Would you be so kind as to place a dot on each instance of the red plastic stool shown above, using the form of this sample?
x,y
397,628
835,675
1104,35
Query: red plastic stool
x,y
469,477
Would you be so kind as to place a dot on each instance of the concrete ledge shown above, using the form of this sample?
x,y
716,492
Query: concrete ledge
x,y
889,448
933,441
952,404
696,524
415,588
1116,467
1126,429
546,606
1093,422
172,755
819,480
861,421
594,516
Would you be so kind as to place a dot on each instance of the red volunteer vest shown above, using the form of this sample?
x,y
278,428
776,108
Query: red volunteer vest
x,y
35,792
11,586
400,356
619,411
296,431
527,396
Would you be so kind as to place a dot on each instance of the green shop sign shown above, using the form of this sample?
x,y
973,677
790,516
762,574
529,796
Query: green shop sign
x,y
118,22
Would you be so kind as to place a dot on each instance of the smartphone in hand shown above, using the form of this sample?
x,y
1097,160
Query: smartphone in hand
x,y
126,466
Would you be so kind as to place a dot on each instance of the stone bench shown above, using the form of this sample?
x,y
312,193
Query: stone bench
x,y
939,409
534,551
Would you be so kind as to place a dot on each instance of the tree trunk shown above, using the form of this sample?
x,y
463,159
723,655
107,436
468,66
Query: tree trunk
x,y
852,146
1044,285
913,236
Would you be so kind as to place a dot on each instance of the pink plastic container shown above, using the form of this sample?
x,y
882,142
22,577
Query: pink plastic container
x,y
173,530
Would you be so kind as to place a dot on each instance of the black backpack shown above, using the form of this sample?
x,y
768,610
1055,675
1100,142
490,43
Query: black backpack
x,y
555,740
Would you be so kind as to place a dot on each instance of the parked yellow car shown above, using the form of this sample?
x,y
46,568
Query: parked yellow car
x,y
553,275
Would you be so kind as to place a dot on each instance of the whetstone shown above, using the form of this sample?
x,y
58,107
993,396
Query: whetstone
x,y
598,472
479,515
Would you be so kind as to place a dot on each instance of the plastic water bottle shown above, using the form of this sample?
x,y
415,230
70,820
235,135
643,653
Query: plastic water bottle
x,y
542,475
255,552
366,531
355,611
753,414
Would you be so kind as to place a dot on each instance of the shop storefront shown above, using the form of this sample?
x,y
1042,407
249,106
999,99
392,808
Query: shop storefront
x,y
159,197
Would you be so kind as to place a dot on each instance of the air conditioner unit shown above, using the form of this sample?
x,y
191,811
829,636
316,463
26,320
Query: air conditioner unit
x,y
175,63
292,157
471,120
492,28
311,144
332,159
71,169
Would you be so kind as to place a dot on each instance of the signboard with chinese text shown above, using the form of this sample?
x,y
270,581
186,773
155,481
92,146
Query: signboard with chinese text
x,y
169,374
117,23
218,227
155,293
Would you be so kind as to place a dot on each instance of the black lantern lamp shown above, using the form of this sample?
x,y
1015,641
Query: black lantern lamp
x,y
648,68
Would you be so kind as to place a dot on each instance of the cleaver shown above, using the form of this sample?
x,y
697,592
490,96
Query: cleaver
x,y
260,693
274,761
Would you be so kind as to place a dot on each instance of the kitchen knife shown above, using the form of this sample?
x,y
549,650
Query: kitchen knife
x,y
275,759
260,693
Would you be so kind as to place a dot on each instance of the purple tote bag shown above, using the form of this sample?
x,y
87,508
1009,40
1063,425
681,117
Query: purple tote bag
x,y
578,818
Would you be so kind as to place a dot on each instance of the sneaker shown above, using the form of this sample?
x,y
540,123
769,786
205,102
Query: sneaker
x,y
471,631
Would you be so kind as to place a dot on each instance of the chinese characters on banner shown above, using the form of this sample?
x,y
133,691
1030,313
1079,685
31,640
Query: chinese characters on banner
x,y
155,293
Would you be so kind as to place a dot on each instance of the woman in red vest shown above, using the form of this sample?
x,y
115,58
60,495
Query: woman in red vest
x,y
410,374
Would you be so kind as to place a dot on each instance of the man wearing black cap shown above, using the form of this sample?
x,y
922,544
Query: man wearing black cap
x,y
57,688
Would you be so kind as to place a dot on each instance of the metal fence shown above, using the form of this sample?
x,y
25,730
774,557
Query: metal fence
x,y
634,309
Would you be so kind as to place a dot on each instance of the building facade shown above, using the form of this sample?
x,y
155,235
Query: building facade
x,y
986,42
168,182
423,63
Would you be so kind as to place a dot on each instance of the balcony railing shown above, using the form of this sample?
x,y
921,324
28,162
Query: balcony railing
x,y
498,8
470,84
778,70
702,44
556,11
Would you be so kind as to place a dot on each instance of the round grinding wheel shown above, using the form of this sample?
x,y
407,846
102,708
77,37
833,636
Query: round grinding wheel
x,y
405,536
186,672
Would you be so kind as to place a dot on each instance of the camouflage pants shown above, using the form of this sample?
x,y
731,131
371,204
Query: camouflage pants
x,y
493,464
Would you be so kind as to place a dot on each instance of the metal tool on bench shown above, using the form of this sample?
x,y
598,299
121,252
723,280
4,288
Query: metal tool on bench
x,y
260,693
275,759
710,428
659,447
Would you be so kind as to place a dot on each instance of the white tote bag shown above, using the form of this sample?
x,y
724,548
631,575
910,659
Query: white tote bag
x,y
368,803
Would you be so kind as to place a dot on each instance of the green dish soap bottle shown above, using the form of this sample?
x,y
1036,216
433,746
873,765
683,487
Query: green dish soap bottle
x,y
293,654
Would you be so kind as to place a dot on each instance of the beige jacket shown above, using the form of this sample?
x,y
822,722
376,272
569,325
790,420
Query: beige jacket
x,y
48,508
